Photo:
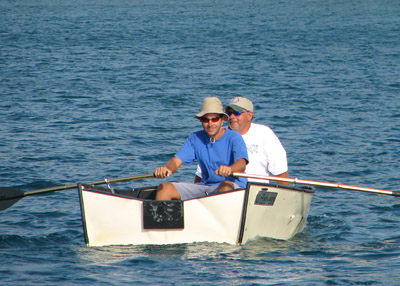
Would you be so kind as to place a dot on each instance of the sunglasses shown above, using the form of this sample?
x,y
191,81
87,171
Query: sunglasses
x,y
236,113
206,120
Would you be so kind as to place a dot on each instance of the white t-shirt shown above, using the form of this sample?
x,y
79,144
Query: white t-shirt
x,y
266,153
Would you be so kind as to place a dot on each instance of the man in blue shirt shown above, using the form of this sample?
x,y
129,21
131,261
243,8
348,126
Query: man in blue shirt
x,y
218,151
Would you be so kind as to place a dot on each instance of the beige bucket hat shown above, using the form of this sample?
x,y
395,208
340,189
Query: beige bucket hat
x,y
239,104
211,105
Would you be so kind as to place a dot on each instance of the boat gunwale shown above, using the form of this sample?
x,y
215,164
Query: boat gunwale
x,y
105,191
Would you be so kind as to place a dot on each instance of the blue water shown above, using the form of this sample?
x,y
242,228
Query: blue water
x,y
94,89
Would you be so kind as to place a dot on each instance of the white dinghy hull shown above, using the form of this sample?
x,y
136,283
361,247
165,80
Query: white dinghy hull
x,y
132,217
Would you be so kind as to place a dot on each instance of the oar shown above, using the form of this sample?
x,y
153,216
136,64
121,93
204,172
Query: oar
x,y
9,196
321,184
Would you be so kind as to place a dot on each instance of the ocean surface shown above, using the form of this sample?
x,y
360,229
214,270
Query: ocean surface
x,y
108,89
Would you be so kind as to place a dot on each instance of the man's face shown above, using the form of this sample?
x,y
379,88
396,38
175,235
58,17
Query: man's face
x,y
239,121
212,123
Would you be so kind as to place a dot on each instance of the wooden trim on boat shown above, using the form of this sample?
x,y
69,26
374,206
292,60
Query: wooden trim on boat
x,y
244,211
83,214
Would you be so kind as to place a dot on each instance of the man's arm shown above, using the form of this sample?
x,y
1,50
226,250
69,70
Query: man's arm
x,y
168,169
284,175
238,166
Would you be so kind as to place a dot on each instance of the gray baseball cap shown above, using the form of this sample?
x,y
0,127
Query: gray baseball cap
x,y
239,104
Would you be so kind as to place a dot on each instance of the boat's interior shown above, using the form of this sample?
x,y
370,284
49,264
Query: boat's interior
x,y
145,193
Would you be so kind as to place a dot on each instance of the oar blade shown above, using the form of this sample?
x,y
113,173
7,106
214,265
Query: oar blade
x,y
9,196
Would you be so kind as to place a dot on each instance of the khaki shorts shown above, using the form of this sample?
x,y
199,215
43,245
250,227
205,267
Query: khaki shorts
x,y
192,190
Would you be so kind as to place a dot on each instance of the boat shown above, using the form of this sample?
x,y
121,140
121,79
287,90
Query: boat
x,y
133,216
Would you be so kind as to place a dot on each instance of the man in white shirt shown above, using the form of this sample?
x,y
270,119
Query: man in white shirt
x,y
266,153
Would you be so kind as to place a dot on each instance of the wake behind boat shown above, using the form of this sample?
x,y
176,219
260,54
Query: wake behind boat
x,y
132,216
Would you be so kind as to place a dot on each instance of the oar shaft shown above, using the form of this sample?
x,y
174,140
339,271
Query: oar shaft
x,y
66,187
9,196
47,190
321,184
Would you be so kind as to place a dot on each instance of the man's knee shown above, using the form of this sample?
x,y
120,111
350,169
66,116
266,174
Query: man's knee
x,y
226,186
167,191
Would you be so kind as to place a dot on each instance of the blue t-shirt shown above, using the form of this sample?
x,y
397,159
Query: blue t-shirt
x,y
210,156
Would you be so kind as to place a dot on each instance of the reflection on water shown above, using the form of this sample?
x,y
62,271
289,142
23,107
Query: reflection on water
x,y
259,248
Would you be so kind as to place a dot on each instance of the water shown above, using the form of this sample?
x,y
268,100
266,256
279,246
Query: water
x,y
94,89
